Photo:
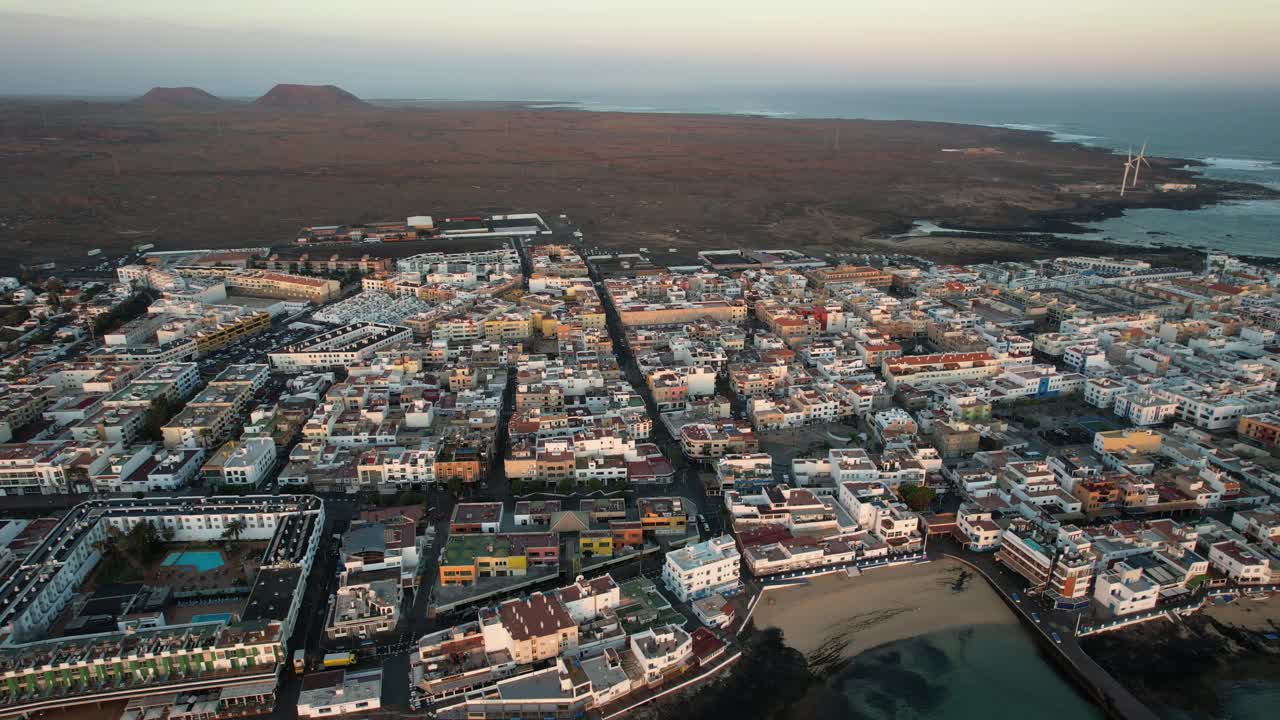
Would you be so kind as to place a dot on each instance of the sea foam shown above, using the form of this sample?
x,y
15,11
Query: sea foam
x,y
1241,164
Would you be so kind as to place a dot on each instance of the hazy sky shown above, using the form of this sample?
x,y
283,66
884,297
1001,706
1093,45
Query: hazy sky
x,y
568,48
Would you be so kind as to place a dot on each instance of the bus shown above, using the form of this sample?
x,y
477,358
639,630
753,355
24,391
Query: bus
x,y
342,659
299,660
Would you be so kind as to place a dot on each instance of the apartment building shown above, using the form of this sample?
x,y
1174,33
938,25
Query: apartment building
x,y
1242,564
535,628
680,313
468,558
1123,590
1262,428
341,347
50,673
698,570
926,371
340,692
363,610
266,283
662,515
709,441
978,530
244,463
1064,573
51,467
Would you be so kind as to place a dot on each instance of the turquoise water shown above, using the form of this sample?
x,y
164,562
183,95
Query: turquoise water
x,y
201,560
212,617
1242,700
986,671
1249,700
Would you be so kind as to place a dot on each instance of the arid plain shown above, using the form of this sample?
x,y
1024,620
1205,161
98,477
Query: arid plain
x,y
80,175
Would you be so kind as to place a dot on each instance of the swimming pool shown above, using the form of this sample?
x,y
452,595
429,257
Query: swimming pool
x,y
212,617
201,560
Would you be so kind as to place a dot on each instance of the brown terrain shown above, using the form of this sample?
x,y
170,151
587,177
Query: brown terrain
x,y
80,175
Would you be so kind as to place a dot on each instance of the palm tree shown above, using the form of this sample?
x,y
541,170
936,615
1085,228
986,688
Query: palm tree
x,y
233,530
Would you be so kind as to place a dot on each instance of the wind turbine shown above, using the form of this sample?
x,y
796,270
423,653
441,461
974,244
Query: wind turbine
x,y
1128,165
1138,161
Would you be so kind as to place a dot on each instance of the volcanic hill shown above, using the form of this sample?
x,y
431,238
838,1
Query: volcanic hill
x,y
174,97
309,97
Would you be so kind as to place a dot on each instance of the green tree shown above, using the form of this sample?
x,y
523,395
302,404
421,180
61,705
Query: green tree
x,y
916,497
455,485
126,555
517,486
409,497
233,530
158,413
595,485
565,485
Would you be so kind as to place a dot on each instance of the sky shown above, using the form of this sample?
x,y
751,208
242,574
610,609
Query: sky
x,y
564,49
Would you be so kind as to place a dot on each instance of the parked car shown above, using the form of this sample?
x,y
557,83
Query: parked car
x,y
1057,638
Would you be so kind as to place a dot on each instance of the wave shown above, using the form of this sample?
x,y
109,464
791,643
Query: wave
x,y
1055,135
763,113
1241,164
1072,137
597,106
1025,126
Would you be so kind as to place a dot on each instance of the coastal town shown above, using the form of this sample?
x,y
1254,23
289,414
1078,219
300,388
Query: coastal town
x,y
478,467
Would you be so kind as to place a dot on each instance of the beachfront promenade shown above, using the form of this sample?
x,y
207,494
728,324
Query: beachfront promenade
x,y
1115,698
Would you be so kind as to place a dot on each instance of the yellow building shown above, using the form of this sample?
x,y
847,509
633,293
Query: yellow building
x,y
469,557
512,326
598,543
226,333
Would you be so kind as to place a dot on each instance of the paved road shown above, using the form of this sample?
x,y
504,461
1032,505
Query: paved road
x,y
309,628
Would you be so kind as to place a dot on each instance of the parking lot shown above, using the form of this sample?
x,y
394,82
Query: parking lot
x,y
253,349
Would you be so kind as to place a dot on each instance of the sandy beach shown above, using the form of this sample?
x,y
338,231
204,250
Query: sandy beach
x,y
839,616
1248,614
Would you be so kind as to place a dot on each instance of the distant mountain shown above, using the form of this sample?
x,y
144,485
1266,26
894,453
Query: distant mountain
x,y
309,97
174,97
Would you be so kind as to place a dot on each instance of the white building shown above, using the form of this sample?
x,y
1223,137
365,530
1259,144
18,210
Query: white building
x,y
658,650
340,347
980,531
1240,563
1144,408
1123,590
1102,392
586,600
242,462
700,569
340,693
149,468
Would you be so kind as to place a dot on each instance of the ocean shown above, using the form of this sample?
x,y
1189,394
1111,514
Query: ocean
x,y
1232,131
973,672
